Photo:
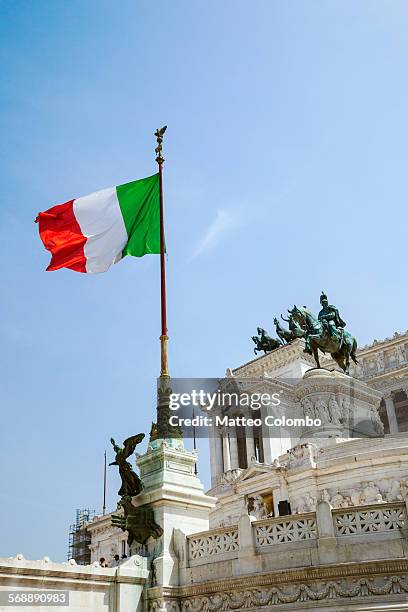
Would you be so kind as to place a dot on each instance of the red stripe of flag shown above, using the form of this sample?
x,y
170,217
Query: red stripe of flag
x,y
62,236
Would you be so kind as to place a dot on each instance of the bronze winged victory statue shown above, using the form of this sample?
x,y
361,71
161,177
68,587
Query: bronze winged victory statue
x,y
131,483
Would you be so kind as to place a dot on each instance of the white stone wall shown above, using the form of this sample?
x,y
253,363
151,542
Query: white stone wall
x,y
91,588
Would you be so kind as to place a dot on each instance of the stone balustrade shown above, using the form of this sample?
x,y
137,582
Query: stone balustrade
x,y
378,518
282,530
252,537
208,545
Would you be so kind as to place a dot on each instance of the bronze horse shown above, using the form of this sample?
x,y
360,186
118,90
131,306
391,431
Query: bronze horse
x,y
265,343
295,331
341,347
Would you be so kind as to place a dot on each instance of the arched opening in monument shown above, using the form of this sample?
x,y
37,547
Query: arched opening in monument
x,y
258,440
401,410
382,411
241,446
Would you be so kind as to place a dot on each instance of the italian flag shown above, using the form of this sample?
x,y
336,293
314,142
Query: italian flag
x,y
91,233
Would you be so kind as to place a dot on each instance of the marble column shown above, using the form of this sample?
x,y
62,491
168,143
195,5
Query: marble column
x,y
213,459
392,417
226,452
250,446
267,449
218,453
267,442
233,451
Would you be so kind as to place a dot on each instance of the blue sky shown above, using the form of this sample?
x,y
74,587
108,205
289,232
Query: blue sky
x,y
286,173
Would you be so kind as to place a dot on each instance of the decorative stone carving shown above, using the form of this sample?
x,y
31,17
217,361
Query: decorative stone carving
x,y
387,490
302,455
229,520
359,370
371,494
262,597
336,415
308,408
380,361
213,543
333,411
325,496
404,489
167,605
322,411
229,477
377,424
400,354
346,406
394,492
374,521
256,507
340,501
280,530
305,503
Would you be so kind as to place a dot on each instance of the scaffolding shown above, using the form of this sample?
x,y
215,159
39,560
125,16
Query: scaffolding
x,y
80,538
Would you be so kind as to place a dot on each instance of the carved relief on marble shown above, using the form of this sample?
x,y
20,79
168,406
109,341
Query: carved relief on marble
x,y
380,361
304,503
322,411
386,490
226,521
329,410
301,455
257,507
377,424
230,477
169,605
363,494
260,597
336,415
400,354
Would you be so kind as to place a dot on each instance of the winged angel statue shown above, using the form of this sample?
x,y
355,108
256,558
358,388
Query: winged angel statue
x,y
131,483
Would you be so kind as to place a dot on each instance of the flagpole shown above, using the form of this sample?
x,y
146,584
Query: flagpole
x,y
104,485
164,360
162,430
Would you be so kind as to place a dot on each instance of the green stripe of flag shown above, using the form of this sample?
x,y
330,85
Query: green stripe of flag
x,y
139,202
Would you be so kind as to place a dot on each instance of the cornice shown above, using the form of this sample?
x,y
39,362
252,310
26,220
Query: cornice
x,y
281,356
376,344
361,569
338,383
393,373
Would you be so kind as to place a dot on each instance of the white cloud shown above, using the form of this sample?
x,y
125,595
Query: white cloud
x,y
224,221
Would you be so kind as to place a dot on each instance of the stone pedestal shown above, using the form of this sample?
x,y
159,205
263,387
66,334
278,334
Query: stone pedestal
x,y
129,589
346,407
176,495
